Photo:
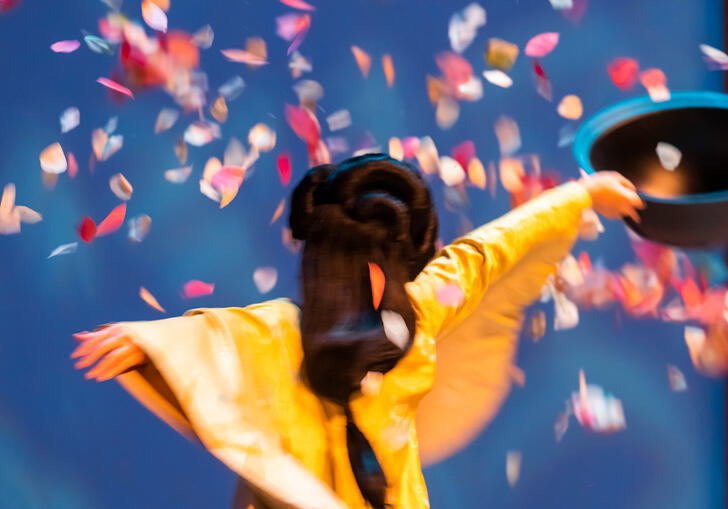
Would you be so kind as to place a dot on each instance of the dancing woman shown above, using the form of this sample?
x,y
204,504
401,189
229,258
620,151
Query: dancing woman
x,y
333,403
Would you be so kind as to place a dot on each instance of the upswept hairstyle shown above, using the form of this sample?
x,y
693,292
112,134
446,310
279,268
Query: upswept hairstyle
x,y
367,209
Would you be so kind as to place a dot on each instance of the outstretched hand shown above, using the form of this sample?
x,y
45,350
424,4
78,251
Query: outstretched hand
x,y
110,351
613,195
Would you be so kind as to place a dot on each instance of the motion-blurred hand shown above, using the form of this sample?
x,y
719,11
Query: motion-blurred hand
x,y
613,195
110,351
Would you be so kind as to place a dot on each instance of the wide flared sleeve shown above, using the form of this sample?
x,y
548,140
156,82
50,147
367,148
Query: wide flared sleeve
x,y
500,268
233,373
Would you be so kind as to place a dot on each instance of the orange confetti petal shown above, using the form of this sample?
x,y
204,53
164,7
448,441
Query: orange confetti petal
x,y
363,60
113,221
154,16
376,276
388,67
149,299
279,211
476,173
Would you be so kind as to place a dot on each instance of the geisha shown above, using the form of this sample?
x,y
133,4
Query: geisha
x,y
335,402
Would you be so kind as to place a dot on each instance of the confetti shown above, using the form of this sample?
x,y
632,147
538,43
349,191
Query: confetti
x,y
70,118
193,289
64,249
377,280
562,4
395,328
363,60
669,155
570,107
676,378
509,137
283,163
513,467
476,173
338,120
120,187
278,212
87,229
165,120
535,327
451,172
112,146
595,410
139,227
447,112
498,78
303,124
715,58
149,299
244,57
180,150
655,82
566,313
265,279
501,54
541,45
293,28
199,134
97,44
262,137
388,68
298,65
72,165
308,91
112,85
65,46
623,72
204,37
450,295
396,151
298,4
112,222
227,181
53,160
543,85
464,25
219,110
154,16
232,88
178,175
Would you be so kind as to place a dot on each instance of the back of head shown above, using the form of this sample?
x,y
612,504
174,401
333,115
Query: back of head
x,y
367,209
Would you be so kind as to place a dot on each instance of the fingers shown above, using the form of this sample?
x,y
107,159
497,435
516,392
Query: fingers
x,y
98,350
91,340
116,362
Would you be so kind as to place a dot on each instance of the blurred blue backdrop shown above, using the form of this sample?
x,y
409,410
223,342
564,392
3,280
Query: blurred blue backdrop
x,y
69,443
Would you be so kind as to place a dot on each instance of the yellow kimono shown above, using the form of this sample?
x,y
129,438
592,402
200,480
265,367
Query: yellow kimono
x,y
234,372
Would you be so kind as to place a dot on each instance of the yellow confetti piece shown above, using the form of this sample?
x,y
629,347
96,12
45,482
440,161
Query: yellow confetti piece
x,y
219,110
396,151
570,107
279,211
476,173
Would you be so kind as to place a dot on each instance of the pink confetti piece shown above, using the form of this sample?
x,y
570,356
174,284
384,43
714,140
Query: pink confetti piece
x,y
193,289
265,278
72,165
112,222
243,56
284,168
542,44
65,46
298,4
111,84
623,72
303,124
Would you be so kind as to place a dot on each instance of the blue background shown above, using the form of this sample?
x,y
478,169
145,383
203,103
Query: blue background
x,y
69,443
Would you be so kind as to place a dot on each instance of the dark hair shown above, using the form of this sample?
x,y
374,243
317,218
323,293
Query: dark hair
x,y
366,209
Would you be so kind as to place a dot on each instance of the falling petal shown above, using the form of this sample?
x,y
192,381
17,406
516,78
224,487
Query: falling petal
x,y
543,85
570,107
562,4
513,467
298,4
298,65
498,77
262,137
64,249
339,120
676,378
450,295
53,160
112,222
112,85
283,162
139,227
388,67
447,113
120,187
65,46
193,289
265,279
201,133
97,44
70,118
396,151
501,54
542,44
232,88
715,58
204,37
178,175
72,165
243,56
566,314
219,110
669,155
180,150
279,210
149,299
395,328
99,138
509,137
154,16
463,26
535,327
655,82
113,145
303,125
87,229
476,173
623,72
165,120
376,277
427,157
363,60
451,172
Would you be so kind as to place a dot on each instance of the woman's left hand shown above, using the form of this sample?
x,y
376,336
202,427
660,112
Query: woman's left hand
x,y
110,351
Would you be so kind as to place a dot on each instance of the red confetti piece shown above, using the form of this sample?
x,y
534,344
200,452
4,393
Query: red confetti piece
x,y
284,168
542,44
463,153
87,229
193,289
65,46
298,4
623,72
113,221
376,276
303,124
456,69
115,86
